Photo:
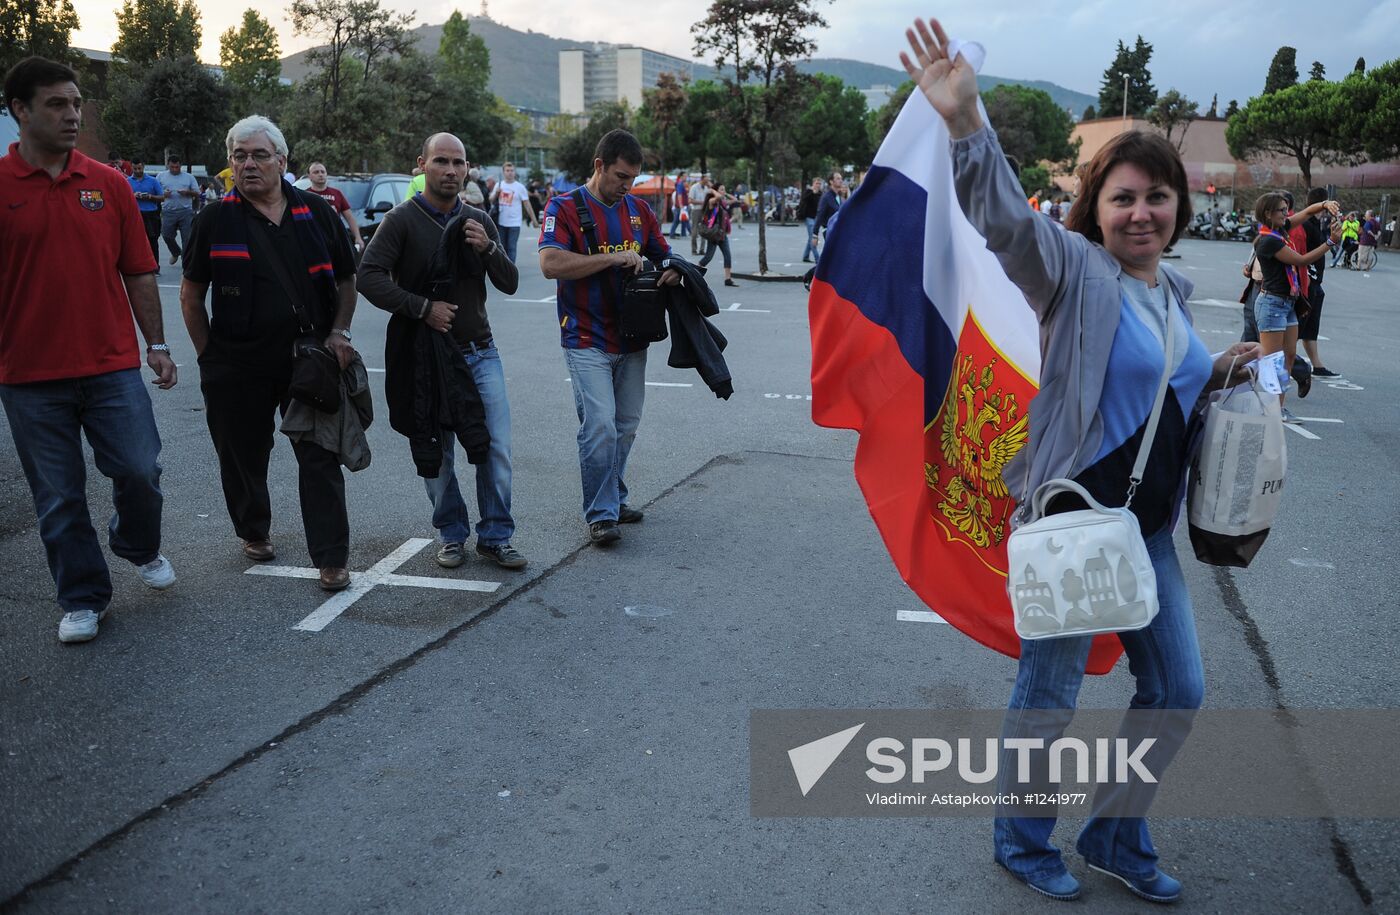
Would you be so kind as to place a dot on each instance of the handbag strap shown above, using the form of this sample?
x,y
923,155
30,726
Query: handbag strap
x,y
1150,433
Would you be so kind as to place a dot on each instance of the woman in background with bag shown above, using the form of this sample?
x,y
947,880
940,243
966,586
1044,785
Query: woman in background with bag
x,y
714,228
1275,308
1103,299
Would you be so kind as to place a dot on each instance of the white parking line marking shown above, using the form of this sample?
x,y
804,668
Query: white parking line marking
x,y
1320,419
669,384
1217,303
1301,431
752,311
361,583
920,616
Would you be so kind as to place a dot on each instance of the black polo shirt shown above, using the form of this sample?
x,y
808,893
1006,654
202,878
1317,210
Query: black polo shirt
x,y
260,333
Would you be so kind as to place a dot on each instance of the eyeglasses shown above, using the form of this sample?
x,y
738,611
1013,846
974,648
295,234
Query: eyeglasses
x,y
260,156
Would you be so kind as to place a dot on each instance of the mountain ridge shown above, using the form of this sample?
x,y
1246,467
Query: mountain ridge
x,y
525,67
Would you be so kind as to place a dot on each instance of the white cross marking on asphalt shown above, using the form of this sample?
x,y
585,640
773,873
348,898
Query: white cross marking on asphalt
x,y
1301,431
361,583
752,311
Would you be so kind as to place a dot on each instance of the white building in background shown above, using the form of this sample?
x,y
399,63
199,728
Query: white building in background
x,y
608,73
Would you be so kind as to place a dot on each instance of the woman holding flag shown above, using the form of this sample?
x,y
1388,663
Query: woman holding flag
x,y
1103,299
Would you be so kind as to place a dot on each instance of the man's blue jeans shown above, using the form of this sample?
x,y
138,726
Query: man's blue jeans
x,y
450,515
608,392
1165,660
811,250
510,239
677,221
114,412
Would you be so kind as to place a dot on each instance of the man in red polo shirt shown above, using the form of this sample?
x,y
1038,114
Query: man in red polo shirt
x,y
74,267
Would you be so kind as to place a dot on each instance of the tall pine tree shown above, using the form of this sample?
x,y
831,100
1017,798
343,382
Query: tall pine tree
x,y
1283,70
1132,63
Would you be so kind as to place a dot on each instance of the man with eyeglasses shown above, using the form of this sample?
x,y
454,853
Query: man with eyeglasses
x,y
278,261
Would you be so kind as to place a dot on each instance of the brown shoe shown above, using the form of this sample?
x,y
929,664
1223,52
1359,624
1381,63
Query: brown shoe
x,y
259,550
334,579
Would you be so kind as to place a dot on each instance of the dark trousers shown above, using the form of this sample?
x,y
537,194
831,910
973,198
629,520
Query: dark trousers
x,y
151,222
240,406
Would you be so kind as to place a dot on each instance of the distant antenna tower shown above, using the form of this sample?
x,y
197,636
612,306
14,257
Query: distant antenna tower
x,y
485,13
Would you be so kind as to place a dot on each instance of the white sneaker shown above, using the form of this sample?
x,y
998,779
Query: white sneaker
x,y
79,626
1289,418
158,573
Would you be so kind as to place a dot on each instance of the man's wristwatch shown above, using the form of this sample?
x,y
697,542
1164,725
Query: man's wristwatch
x,y
343,332
159,348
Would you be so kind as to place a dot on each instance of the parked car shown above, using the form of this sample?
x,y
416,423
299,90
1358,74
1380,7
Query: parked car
x,y
369,196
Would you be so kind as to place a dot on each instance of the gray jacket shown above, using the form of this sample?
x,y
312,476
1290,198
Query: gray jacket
x,y
1072,283
343,432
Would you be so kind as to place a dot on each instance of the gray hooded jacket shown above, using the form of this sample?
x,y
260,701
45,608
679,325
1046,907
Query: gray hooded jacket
x,y
1072,283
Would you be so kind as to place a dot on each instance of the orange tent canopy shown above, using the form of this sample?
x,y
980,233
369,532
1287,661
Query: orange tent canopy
x,y
652,184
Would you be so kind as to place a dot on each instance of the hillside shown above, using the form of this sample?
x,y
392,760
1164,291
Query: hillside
x,y
525,67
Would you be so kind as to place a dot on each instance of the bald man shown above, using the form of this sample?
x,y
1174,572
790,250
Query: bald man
x,y
396,275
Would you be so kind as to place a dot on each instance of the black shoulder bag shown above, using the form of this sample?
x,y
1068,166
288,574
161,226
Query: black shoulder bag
x,y
643,300
315,369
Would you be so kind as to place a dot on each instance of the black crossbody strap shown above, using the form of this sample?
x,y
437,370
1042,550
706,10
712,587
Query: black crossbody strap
x,y
585,220
274,260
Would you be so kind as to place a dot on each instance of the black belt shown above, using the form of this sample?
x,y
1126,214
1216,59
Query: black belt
x,y
481,344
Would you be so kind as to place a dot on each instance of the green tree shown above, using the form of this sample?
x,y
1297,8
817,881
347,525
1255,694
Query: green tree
x,y
1089,113
882,119
1231,109
1132,63
472,112
704,125
1030,125
574,155
1214,111
251,58
1283,70
1173,111
1318,71
1360,65
1034,179
1299,121
38,27
366,103
755,45
1381,132
178,106
152,30
664,107
831,127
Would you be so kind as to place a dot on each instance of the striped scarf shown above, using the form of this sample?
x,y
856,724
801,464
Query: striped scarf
x,y
231,263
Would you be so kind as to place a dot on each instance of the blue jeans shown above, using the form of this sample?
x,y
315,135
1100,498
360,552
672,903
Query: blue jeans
x,y
492,478
608,392
510,238
173,221
1165,660
1274,313
114,411
811,250
685,225
722,246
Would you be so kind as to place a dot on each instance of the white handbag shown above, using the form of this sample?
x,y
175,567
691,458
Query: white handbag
x,y
1085,572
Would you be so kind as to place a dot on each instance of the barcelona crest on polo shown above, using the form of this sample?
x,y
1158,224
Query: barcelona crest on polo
x,y
91,200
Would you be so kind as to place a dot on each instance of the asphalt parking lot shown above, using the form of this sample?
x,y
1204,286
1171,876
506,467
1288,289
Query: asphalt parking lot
x,y
575,737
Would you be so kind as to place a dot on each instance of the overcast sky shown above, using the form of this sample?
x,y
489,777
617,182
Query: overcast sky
x,y
1201,47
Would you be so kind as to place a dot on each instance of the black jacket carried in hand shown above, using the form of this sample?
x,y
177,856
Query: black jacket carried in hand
x,y
695,342
431,394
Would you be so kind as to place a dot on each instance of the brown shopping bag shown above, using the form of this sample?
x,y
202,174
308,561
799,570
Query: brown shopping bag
x,y
1237,476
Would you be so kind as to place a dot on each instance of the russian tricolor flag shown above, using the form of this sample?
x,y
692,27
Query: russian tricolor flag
x,y
923,346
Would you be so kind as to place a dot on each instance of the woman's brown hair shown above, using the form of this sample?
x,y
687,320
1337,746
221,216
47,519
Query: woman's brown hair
x,y
1149,152
1264,207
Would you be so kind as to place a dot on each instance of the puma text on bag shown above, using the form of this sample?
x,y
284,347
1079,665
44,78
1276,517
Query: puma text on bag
x,y
1237,476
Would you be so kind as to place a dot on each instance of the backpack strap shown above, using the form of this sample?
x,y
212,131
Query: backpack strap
x,y
585,220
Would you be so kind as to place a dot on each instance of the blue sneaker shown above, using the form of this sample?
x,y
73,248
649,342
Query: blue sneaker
x,y
1061,886
1156,888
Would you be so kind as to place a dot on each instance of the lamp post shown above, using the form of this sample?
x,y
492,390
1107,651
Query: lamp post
x,y
1125,99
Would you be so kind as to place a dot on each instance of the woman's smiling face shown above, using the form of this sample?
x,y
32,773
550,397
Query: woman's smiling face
x,y
1137,215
